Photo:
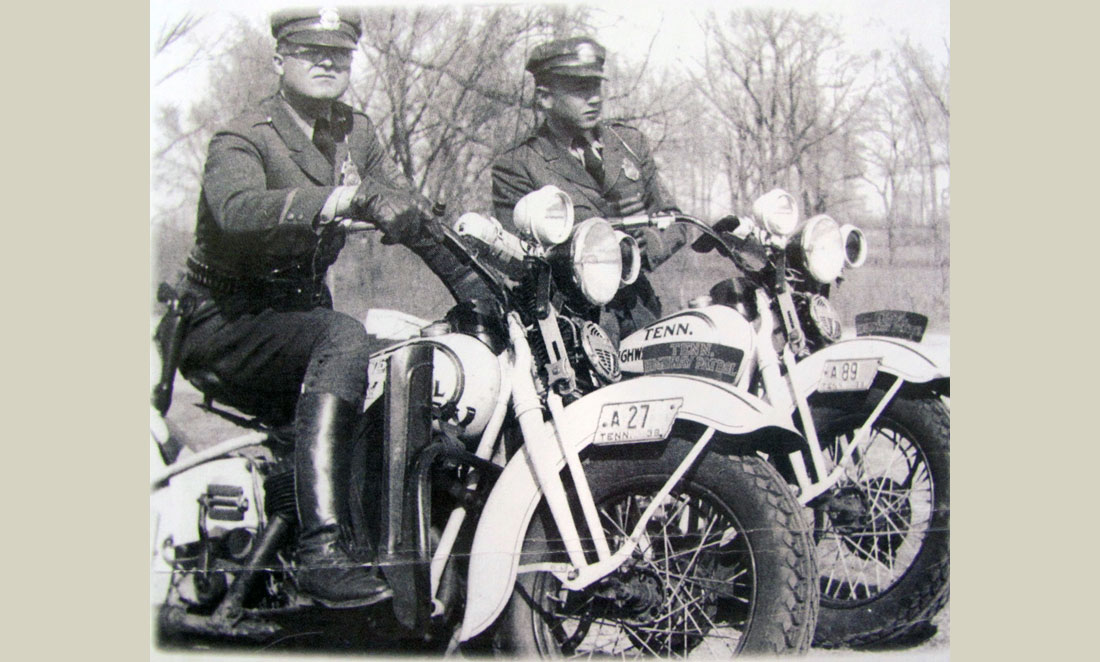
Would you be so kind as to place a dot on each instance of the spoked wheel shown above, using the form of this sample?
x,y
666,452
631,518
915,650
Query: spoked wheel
x,y
725,568
882,531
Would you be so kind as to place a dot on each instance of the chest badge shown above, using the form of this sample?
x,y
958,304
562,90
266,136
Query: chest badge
x,y
631,170
349,174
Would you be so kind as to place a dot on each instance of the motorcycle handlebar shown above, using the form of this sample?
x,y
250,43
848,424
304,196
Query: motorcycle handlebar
x,y
663,221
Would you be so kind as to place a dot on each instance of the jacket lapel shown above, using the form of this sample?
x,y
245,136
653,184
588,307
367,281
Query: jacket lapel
x,y
302,151
613,155
565,165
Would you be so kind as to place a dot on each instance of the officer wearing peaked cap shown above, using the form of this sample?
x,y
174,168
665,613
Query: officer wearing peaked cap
x,y
281,185
605,167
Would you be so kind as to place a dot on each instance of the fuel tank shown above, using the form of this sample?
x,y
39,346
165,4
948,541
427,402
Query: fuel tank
x,y
710,341
465,381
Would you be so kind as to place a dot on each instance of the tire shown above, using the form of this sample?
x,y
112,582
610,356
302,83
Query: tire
x,y
752,587
883,554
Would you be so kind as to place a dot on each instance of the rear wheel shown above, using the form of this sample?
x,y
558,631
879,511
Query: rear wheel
x,y
882,532
726,567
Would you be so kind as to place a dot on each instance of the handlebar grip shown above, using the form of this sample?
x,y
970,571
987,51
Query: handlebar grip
x,y
502,245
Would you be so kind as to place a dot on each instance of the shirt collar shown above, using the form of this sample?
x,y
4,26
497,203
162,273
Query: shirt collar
x,y
305,124
572,144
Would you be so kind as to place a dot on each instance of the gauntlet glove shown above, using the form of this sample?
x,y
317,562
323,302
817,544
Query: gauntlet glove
x,y
396,212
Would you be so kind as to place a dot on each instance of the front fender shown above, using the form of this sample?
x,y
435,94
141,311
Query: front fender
x,y
912,362
498,541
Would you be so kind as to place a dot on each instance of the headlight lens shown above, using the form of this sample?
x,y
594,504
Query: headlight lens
x,y
597,260
823,248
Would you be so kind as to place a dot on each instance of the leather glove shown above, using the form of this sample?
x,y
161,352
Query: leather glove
x,y
749,255
653,247
397,213
723,227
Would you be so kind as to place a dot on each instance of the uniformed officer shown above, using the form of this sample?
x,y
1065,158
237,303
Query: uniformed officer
x,y
281,185
605,167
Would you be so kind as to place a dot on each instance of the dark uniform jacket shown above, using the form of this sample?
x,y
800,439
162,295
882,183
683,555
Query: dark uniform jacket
x,y
632,186
265,183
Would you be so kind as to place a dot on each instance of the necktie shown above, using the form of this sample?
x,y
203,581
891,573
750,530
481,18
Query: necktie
x,y
323,140
593,163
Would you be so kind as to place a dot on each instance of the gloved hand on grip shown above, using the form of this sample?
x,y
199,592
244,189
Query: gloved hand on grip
x,y
397,213
652,245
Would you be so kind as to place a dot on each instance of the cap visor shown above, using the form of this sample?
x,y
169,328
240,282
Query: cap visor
x,y
330,38
574,72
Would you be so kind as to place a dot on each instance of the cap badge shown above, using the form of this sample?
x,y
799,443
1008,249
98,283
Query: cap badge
x,y
330,19
631,170
586,54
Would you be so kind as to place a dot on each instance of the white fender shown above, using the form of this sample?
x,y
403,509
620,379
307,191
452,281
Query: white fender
x,y
494,556
908,360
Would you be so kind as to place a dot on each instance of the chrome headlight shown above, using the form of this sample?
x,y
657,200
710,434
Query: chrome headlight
x,y
544,217
632,257
855,245
822,248
778,211
597,260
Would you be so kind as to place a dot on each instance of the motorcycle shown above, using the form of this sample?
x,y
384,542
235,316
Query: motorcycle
x,y
511,489
874,409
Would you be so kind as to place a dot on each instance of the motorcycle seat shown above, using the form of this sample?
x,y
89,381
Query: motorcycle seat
x,y
273,409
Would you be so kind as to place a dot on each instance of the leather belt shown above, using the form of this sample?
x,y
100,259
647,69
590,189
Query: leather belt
x,y
222,284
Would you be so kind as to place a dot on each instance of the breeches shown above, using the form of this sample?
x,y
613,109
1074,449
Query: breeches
x,y
264,359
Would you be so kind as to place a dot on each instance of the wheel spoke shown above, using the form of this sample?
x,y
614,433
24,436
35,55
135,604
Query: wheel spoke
x,y
688,594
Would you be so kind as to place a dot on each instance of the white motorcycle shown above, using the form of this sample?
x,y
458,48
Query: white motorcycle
x,y
873,409
510,488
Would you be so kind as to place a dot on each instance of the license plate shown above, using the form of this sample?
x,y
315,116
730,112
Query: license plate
x,y
848,374
633,422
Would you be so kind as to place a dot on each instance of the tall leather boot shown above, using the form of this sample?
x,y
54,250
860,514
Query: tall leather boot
x,y
327,572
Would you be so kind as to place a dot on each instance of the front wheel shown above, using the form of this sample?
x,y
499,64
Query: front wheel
x,y
726,567
882,531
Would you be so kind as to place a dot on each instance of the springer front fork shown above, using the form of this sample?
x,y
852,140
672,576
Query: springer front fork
x,y
783,394
539,440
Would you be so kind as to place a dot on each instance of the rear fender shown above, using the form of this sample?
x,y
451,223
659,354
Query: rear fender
x,y
917,364
498,541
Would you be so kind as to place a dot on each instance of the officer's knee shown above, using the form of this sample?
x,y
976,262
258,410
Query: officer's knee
x,y
339,362
345,331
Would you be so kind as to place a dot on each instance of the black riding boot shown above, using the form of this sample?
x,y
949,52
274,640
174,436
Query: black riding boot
x,y
327,572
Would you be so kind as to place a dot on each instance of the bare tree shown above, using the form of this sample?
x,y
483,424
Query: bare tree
x,y
789,95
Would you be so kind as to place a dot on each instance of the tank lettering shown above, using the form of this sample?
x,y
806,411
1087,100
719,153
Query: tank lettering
x,y
693,358
437,389
629,355
668,330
